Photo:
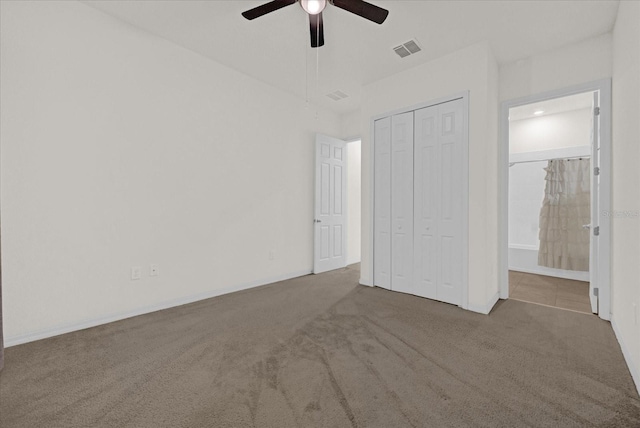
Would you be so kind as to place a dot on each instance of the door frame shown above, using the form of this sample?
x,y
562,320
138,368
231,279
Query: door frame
x,y
604,260
464,96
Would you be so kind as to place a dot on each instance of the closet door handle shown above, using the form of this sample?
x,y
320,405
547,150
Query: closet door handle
x,y
586,226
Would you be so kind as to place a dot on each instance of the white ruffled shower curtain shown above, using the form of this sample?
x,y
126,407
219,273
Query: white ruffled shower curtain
x,y
564,242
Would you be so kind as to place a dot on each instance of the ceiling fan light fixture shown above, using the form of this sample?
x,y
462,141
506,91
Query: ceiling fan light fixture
x,y
313,7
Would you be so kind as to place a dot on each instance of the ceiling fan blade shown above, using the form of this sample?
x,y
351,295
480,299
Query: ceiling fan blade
x,y
317,30
363,9
272,6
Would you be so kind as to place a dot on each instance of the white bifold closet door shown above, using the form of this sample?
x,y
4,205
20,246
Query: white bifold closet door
x,y
438,202
418,202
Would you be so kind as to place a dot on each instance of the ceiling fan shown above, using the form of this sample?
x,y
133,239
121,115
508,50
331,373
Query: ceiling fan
x,y
315,7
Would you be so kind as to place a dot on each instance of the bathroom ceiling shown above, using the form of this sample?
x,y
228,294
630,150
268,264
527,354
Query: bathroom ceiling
x,y
555,106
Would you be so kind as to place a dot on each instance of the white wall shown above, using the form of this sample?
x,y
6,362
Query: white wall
x,y
351,125
354,196
625,256
474,69
121,149
553,131
582,62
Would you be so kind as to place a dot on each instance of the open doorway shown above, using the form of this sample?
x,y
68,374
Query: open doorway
x,y
337,212
556,200
549,201
354,213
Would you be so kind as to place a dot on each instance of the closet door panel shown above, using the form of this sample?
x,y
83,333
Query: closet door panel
x,y
402,203
426,175
382,204
449,220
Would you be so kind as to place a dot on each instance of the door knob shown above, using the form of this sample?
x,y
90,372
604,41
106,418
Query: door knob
x,y
586,226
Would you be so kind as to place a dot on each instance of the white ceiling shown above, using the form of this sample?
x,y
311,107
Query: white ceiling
x,y
554,106
275,48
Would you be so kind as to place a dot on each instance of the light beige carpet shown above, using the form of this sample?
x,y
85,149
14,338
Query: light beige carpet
x,y
323,351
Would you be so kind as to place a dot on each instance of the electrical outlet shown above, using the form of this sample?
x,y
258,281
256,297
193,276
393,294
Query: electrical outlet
x,y
136,272
272,254
154,270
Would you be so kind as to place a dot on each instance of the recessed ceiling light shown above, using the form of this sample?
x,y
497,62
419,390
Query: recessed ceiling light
x,y
538,112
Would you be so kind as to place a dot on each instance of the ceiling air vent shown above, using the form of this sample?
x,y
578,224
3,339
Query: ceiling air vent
x,y
337,95
407,48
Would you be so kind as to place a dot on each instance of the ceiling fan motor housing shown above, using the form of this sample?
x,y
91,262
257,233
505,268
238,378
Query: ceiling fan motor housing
x,y
314,9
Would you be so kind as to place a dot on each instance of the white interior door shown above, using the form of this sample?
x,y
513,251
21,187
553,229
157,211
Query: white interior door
x,y
438,202
402,203
382,204
330,202
595,206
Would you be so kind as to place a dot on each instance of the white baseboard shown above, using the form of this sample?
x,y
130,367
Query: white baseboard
x,y
485,309
633,367
68,328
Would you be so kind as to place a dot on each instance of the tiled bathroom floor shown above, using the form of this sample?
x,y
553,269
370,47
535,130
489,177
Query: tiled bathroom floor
x,y
550,291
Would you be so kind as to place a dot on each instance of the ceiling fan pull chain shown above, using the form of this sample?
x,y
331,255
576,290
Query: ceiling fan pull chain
x,y
306,75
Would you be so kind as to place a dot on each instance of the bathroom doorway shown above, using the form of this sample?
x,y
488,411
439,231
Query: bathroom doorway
x,y
555,201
